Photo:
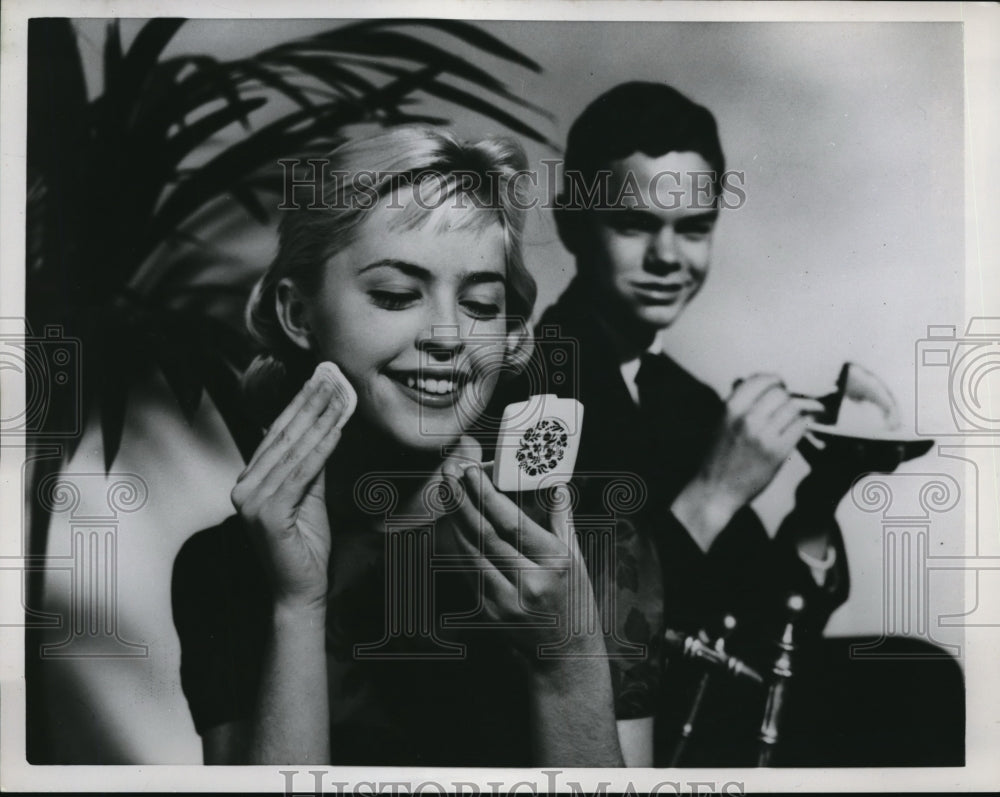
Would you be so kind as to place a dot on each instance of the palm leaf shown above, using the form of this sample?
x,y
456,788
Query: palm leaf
x,y
473,102
289,135
57,139
223,386
390,44
192,136
140,62
244,194
470,34
253,69
173,347
115,179
342,80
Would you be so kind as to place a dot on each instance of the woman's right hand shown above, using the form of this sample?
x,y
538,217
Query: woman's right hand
x,y
281,493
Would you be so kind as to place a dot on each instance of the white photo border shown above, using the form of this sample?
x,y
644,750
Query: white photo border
x,y
982,169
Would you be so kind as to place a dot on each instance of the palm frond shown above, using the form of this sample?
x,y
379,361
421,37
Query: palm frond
x,y
476,37
116,181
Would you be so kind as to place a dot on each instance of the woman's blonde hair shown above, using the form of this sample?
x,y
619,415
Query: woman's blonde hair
x,y
481,175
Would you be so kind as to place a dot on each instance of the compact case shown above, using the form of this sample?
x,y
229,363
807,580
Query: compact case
x,y
538,443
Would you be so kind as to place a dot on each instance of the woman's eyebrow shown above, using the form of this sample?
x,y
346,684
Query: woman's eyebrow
x,y
480,277
421,272
410,269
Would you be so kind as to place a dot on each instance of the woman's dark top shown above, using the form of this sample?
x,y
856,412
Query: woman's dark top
x,y
431,694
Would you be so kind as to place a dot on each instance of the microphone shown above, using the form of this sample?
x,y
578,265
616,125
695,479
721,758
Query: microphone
x,y
694,648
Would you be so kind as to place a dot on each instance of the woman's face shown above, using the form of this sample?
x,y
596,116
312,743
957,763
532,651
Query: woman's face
x,y
416,320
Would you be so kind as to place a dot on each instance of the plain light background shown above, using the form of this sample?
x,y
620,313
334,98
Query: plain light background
x,y
849,245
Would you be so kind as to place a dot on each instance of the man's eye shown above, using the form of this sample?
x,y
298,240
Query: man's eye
x,y
630,223
484,310
393,300
697,233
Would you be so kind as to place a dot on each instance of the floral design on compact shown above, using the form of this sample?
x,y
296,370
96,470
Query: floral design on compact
x,y
542,447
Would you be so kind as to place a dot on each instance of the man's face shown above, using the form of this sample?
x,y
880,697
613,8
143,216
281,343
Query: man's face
x,y
652,253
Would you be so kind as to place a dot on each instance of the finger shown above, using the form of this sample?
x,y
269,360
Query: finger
x,y
466,452
476,528
323,408
282,421
792,433
747,392
510,522
497,586
560,516
791,410
783,417
302,480
808,406
312,444
772,400
327,380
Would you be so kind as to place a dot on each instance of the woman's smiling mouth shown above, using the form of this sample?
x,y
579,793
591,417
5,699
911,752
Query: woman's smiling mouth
x,y
433,389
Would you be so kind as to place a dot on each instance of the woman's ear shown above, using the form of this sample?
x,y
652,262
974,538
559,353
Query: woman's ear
x,y
293,314
520,346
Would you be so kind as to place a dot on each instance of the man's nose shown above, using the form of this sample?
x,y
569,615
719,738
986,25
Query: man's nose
x,y
662,255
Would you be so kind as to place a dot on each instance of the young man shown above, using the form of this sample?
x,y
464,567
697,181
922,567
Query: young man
x,y
644,179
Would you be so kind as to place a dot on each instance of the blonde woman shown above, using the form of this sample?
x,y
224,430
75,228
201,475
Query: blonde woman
x,y
273,606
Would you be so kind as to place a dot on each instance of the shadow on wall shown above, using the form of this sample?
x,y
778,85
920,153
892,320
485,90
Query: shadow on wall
x,y
106,688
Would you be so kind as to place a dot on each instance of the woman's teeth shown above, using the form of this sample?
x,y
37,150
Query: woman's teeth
x,y
440,386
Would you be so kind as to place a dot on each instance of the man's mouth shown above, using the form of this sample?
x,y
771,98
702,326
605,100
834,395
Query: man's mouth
x,y
659,291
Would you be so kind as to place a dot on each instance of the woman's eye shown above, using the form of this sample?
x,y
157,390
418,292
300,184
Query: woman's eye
x,y
484,310
393,300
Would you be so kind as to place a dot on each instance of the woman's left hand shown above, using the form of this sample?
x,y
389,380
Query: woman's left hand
x,y
524,570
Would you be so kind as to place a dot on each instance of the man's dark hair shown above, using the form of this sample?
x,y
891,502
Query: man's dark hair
x,y
651,118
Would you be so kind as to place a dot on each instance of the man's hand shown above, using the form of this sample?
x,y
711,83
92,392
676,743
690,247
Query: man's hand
x,y
760,427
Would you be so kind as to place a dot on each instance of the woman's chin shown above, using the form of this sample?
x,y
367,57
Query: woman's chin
x,y
426,437
430,440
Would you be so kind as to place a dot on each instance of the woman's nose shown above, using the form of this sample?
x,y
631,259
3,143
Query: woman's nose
x,y
442,341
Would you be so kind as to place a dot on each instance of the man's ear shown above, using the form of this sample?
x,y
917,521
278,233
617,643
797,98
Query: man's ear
x,y
293,314
520,346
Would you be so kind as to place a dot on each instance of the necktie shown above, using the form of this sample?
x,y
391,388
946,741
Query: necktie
x,y
652,383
